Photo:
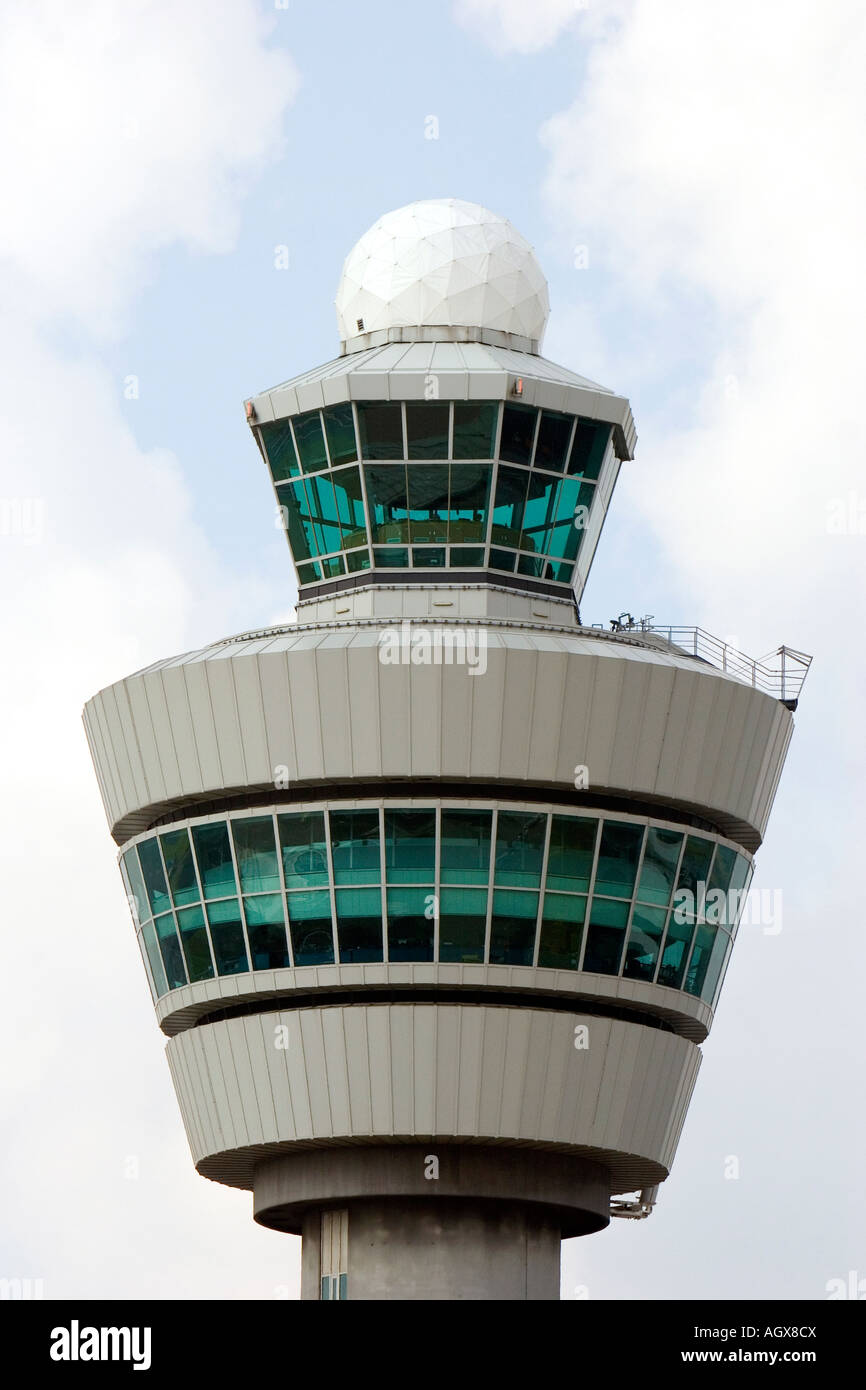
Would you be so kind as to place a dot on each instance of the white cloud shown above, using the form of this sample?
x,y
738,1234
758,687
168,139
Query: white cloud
x,y
512,24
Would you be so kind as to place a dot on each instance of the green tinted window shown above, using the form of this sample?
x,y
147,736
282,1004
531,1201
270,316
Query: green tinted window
x,y
280,449
157,969
469,502
428,558
466,557
617,859
214,857
605,937
256,855
519,849
350,507
310,441
154,878
658,872
229,947
308,574
716,968
723,867
475,429
196,947
518,432
531,564
696,862
388,502
381,430
171,952
554,432
511,487
135,886
503,560
297,519
358,560
266,930
587,451
427,430
512,927
310,924
465,854
462,923
392,557
305,856
410,923
359,924
340,429
642,952
177,853
675,952
323,503
561,931
410,846
572,847
428,502
539,512
701,952
355,846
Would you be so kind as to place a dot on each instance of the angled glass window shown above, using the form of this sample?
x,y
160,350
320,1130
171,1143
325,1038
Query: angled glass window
x,y
475,429
256,855
310,441
519,849
298,522
323,505
427,430
154,878
340,429
428,502
531,564
738,892
428,557
511,487
560,573
350,507
554,432
381,430
358,560
177,853
512,927
723,868
539,512
693,873
355,846
410,846
587,450
359,924
618,858
467,557
465,854
562,922
266,930
303,847
280,449
214,857
157,969
659,869
226,933
605,937
503,560
645,938
675,952
719,957
518,433
311,929
308,574
196,947
469,502
462,924
572,848
135,887
388,502
705,940
392,557
171,952
410,923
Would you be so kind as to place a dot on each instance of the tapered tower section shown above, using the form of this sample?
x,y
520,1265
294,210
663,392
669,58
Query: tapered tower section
x,y
436,887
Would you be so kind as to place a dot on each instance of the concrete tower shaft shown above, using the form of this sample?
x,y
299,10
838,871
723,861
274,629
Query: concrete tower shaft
x,y
436,887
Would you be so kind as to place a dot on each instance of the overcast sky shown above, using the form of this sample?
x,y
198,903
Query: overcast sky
x,y
692,178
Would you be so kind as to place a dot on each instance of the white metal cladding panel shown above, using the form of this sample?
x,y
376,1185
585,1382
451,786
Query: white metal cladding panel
x,y
331,710
626,1093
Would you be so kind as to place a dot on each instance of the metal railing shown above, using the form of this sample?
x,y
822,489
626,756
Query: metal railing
x,y
780,673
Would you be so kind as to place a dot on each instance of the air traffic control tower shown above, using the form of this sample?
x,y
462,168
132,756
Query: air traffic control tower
x,y
436,887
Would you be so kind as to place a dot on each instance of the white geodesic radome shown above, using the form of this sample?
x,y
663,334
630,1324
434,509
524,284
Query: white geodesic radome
x,y
442,263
